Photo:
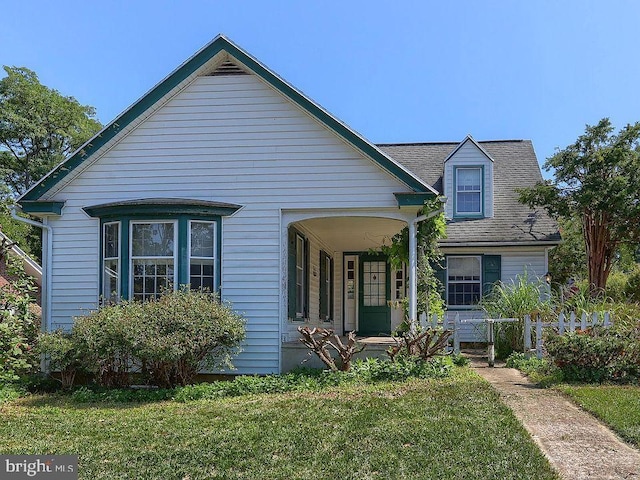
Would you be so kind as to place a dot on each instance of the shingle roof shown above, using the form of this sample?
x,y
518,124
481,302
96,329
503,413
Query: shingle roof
x,y
515,166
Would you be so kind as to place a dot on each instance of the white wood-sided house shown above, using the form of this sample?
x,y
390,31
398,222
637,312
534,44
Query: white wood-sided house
x,y
223,175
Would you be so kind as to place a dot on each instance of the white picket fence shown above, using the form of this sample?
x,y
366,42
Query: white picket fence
x,y
566,323
455,323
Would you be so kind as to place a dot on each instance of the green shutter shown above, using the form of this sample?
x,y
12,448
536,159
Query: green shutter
x,y
491,268
323,286
440,272
331,291
292,274
307,277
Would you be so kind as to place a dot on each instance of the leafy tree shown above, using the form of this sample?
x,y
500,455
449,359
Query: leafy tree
x,y
39,127
597,180
569,259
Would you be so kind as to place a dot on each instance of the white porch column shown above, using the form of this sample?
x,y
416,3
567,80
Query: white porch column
x,y
413,275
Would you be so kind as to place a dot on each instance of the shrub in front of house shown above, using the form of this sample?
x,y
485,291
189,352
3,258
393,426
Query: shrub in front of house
x,y
62,355
105,341
597,355
184,331
19,326
166,340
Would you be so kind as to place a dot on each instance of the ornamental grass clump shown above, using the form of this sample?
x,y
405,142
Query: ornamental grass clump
x,y
516,299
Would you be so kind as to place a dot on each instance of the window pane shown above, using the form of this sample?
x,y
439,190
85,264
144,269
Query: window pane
x,y
463,280
201,274
152,239
468,202
150,276
374,284
468,179
110,240
202,239
110,283
463,266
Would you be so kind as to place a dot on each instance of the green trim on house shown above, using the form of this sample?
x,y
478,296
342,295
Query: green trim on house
x,y
183,250
182,257
162,206
219,44
413,198
455,192
40,207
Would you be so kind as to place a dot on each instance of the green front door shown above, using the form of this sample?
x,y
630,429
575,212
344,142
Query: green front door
x,y
374,313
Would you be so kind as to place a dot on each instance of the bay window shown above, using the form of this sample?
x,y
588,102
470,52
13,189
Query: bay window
x,y
151,245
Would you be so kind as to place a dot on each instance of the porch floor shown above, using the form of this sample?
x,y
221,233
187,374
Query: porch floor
x,y
296,354
365,340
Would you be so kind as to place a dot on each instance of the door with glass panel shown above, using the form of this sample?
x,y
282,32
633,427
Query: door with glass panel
x,y
374,312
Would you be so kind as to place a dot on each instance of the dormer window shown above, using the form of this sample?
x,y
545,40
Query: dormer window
x,y
468,191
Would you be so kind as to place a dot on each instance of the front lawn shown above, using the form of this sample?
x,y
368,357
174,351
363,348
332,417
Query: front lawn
x,y
617,406
446,428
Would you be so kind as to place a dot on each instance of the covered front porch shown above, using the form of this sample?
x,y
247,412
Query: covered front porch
x,y
335,277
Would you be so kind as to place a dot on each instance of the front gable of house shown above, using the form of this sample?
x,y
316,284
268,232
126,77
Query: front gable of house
x,y
195,90
468,181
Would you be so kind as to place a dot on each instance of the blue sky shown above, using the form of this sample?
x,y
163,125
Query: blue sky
x,y
395,71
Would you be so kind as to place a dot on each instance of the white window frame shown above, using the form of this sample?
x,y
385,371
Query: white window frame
x,y
479,191
215,250
108,298
131,258
400,284
458,282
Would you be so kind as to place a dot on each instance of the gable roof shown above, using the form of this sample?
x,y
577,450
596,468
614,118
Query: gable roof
x,y
468,138
218,45
515,166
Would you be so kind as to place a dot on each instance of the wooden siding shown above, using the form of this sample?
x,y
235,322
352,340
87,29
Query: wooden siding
x,y
468,155
229,139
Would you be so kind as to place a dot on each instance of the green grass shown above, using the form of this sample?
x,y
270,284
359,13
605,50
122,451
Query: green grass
x,y
420,429
617,406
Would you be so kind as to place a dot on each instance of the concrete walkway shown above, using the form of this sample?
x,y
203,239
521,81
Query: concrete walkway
x,y
577,444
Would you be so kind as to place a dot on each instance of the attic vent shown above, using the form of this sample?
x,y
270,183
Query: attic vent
x,y
228,68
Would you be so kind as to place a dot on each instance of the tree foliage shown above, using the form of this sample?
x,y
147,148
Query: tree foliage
x,y
39,127
596,180
429,232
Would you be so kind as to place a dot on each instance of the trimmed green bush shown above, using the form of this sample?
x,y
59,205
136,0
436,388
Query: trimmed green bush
x,y
167,340
61,354
182,332
105,340
596,355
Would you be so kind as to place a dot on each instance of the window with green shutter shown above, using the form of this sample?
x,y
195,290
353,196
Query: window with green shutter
x,y
298,273
468,277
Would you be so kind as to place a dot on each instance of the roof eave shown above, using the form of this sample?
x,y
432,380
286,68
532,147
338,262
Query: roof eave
x,y
218,44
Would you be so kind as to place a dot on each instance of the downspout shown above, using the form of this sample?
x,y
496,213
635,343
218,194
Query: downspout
x,y
46,267
413,266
